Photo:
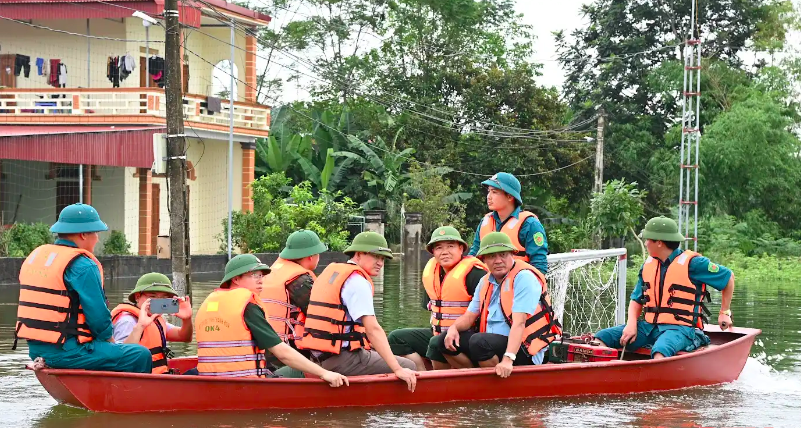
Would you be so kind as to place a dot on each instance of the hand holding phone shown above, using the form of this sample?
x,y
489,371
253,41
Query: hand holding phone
x,y
164,306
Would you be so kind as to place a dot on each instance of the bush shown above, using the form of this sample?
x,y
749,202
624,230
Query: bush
x,y
437,202
116,244
279,210
22,238
754,235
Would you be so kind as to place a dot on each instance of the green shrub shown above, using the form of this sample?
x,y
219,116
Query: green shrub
x,y
116,244
279,210
22,238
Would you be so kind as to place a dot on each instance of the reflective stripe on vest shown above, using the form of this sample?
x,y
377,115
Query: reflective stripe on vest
x,y
541,327
449,299
325,324
153,337
674,299
511,228
48,312
225,346
281,314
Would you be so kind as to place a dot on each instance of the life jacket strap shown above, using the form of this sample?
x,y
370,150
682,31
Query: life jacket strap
x,y
450,303
351,336
441,316
327,305
44,290
333,321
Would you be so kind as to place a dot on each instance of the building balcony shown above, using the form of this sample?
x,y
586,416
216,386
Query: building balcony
x,y
127,106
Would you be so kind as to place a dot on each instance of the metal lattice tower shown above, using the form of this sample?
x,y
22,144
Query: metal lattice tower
x,y
690,134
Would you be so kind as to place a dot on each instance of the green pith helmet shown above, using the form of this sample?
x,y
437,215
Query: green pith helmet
x,y
300,244
369,242
662,229
495,242
242,264
153,282
78,218
444,233
506,182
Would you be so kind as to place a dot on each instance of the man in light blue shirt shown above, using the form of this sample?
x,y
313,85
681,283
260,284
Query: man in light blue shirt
x,y
515,317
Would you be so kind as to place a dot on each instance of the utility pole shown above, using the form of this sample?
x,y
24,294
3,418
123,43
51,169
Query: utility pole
x,y
176,151
599,153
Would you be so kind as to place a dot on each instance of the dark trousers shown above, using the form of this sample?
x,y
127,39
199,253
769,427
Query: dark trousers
x,y
22,62
484,346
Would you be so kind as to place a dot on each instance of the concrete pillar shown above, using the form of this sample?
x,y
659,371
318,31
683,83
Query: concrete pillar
x,y
87,184
145,211
413,241
248,174
250,69
374,221
413,234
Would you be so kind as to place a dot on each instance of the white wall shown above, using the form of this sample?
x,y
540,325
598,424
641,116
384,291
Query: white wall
x,y
131,203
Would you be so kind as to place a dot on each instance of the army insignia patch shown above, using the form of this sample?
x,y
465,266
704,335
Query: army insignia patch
x,y
539,239
713,267
442,232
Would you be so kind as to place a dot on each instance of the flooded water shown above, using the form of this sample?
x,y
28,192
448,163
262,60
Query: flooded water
x,y
767,394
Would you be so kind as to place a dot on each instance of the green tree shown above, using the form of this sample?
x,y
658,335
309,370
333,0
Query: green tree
x,y
436,201
617,210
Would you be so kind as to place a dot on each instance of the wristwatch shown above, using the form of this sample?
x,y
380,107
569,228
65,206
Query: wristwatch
x,y
726,312
510,355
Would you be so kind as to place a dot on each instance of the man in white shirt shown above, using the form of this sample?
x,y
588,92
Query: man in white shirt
x,y
341,328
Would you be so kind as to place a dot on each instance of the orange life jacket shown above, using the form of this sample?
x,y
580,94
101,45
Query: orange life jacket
x,y
282,315
326,319
674,299
541,327
153,338
225,346
510,228
449,299
48,311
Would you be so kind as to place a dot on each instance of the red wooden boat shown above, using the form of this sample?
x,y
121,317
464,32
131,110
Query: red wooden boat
x,y
720,362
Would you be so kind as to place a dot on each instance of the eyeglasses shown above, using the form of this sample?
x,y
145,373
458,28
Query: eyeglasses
x,y
257,275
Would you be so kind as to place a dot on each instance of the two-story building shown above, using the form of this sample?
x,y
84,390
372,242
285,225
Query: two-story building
x,y
82,112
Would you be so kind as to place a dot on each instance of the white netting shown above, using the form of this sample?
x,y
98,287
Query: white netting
x,y
585,288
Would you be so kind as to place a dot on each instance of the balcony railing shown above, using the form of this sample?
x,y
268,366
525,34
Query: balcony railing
x,y
123,106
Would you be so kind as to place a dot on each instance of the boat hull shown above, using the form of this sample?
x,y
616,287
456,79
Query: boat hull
x,y
133,393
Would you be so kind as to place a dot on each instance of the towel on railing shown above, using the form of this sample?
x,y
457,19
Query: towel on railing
x,y
213,105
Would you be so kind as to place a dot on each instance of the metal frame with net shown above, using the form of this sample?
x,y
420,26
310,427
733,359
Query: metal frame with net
x,y
588,289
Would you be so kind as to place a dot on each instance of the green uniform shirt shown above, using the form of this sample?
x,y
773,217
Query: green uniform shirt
x,y
263,334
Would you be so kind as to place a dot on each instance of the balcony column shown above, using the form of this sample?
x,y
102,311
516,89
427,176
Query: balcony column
x,y
146,232
250,69
248,174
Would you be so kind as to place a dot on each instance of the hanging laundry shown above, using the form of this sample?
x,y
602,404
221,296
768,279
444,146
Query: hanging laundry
x,y
23,62
52,80
128,63
113,71
156,67
213,105
41,66
62,75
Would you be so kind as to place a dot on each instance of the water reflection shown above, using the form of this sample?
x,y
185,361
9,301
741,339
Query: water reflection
x,y
768,392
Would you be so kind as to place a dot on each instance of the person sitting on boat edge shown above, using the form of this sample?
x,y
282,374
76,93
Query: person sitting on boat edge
x,y
62,310
341,328
449,280
522,227
233,333
670,290
513,307
133,322
287,288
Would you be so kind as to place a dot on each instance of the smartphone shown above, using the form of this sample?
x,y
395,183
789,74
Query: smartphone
x,y
163,306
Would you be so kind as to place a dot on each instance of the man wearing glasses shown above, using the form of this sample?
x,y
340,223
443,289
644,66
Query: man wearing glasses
x,y
506,215
233,333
